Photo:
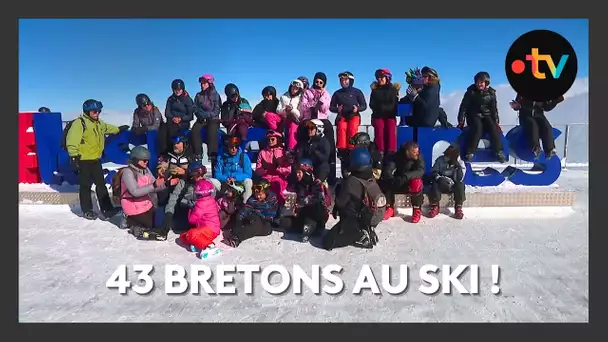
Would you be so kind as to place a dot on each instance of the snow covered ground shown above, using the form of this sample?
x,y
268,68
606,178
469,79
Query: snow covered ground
x,y
64,262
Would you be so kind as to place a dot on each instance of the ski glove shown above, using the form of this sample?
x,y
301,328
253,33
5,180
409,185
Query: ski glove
x,y
123,128
75,164
265,164
275,163
411,93
460,125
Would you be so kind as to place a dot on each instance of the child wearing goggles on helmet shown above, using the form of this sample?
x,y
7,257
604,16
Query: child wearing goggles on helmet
x,y
317,149
256,218
233,166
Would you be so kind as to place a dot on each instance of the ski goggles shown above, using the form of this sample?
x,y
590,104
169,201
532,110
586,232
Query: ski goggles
x,y
259,188
305,167
344,75
298,84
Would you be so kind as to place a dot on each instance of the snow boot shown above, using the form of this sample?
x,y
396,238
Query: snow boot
x,y
198,157
469,157
416,214
90,215
501,157
390,212
209,252
307,231
137,231
458,214
364,241
434,210
552,153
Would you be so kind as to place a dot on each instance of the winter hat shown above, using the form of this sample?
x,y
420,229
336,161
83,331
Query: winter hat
x,y
245,106
383,72
304,81
320,76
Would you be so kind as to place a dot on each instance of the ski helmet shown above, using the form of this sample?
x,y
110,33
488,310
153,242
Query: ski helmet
x,y
90,105
231,90
43,110
269,90
232,141
297,83
304,81
261,185
348,75
482,76
316,123
275,134
383,72
360,159
196,168
142,100
207,77
414,77
203,188
139,153
361,139
179,138
429,71
178,84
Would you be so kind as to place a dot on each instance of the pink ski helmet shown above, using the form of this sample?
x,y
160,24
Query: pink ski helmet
x,y
274,134
207,77
203,188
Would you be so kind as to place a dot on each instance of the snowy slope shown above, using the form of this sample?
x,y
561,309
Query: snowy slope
x,y
64,262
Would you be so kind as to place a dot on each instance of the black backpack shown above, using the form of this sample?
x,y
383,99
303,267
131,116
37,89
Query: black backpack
x,y
64,137
374,200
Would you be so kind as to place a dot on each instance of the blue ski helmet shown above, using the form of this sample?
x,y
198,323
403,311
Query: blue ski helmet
x,y
360,159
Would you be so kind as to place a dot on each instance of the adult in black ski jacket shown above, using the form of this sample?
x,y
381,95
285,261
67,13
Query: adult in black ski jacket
x,y
179,111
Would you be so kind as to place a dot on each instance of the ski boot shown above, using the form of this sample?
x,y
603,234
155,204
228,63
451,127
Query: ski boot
x,y
433,210
469,157
137,231
364,241
458,214
416,214
90,215
501,157
551,154
209,252
198,157
307,231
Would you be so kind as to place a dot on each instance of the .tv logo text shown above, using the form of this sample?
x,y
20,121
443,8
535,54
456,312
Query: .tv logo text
x,y
518,66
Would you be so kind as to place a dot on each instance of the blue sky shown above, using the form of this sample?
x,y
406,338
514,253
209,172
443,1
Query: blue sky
x,y
62,62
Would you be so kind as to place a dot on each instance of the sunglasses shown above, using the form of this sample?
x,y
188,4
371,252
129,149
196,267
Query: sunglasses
x,y
272,138
319,82
95,111
144,160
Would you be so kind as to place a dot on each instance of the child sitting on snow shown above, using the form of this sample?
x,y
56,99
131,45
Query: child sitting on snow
x,y
273,164
311,208
204,216
229,203
256,218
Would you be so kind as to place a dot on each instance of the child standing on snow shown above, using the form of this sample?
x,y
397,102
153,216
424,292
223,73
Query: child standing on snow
x,y
204,216
256,218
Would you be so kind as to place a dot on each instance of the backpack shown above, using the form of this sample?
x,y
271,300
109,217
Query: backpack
x,y
116,188
64,137
374,200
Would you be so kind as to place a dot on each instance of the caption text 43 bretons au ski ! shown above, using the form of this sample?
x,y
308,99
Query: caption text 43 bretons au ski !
x,y
276,279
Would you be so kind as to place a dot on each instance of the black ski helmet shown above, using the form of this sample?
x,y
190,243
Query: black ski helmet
x,y
43,110
91,104
178,84
142,100
231,89
482,76
269,90
361,139
139,153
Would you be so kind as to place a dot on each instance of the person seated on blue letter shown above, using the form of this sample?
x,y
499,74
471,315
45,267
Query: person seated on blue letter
x,y
535,124
146,117
480,109
447,177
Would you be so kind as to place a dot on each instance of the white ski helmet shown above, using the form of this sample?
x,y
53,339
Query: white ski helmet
x,y
320,126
